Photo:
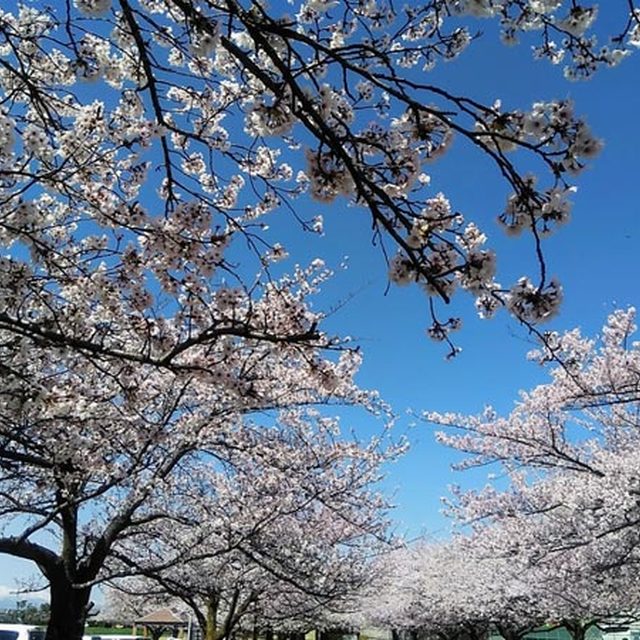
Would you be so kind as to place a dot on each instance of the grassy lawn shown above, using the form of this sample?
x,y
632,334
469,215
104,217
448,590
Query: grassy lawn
x,y
115,631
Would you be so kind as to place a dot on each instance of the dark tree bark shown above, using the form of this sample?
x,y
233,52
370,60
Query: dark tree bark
x,y
577,629
69,609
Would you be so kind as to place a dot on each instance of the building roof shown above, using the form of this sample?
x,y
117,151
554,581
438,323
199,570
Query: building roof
x,y
161,616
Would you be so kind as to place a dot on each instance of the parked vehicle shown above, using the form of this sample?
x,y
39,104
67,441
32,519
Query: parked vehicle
x,y
20,632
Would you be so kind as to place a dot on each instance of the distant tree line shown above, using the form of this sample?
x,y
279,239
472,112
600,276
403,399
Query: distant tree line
x,y
26,612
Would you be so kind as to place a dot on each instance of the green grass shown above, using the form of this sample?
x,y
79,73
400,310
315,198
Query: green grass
x,y
115,631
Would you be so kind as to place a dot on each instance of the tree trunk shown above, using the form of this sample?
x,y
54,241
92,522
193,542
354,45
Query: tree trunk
x,y
509,633
200,620
577,630
69,609
212,618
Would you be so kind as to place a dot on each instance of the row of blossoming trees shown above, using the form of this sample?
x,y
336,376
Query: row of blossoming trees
x,y
160,371
555,542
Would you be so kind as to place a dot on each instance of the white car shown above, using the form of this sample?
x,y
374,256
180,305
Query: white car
x,y
21,632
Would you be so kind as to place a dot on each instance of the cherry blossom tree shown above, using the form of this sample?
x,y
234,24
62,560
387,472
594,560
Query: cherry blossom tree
x,y
143,144
281,536
87,466
91,445
534,587
122,607
570,449
205,107
499,579
130,342
457,589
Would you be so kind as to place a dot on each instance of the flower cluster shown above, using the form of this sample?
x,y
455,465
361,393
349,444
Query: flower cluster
x,y
216,106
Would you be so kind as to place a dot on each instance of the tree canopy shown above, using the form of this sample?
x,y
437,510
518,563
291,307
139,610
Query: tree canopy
x,y
155,357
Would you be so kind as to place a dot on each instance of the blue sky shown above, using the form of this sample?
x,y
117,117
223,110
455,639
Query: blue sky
x,y
595,257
